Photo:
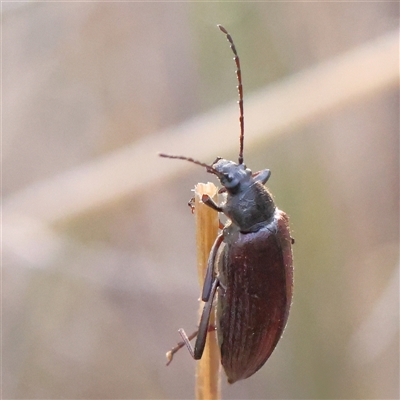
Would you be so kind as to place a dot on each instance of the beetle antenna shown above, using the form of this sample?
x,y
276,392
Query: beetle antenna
x,y
240,90
209,168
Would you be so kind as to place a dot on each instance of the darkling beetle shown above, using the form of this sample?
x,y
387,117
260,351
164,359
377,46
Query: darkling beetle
x,y
250,266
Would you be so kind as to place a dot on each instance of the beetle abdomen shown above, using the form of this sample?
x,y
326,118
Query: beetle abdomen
x,y
256,273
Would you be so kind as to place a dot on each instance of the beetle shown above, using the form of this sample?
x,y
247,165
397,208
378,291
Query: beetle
x,y
250,266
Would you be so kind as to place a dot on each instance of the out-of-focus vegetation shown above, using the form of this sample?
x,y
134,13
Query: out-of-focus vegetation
x,y
92,300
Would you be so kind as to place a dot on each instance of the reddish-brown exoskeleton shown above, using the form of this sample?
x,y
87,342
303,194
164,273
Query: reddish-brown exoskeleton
x,y
250,266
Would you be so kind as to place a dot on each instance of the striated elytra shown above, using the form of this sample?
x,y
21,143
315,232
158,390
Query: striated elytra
x,y
250,267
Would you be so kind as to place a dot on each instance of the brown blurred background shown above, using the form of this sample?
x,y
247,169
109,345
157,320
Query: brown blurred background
x,y
93,294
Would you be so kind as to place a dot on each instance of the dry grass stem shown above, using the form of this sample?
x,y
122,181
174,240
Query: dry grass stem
x,y
208,368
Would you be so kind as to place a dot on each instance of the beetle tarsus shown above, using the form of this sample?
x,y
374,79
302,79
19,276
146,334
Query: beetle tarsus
x,y
170,354
191,205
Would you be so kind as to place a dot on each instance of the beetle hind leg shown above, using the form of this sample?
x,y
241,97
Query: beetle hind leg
x,y
204,328
170,354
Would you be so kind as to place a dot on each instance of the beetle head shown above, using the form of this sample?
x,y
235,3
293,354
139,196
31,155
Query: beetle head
x,y
233,177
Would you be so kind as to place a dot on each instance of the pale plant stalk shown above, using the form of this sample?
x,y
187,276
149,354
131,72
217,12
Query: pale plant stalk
x,y
207,222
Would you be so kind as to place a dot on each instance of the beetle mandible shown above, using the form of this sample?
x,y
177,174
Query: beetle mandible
x,y
250,265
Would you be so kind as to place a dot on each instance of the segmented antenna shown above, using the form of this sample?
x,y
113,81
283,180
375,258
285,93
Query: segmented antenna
x,y
240,90
192,160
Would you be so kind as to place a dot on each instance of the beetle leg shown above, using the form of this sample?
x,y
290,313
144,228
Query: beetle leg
x,y
197,352
207,200
170,354
193,208
191,204
222,286
222,190
208,279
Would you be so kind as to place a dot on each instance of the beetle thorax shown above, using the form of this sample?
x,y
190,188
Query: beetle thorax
x,y
249,205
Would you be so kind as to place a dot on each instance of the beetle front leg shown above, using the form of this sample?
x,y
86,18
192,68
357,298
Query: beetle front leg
x,y
191,205
197,352
208,201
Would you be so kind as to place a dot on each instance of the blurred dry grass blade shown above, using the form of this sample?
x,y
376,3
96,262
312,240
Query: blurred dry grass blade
x,y
380,327
274,110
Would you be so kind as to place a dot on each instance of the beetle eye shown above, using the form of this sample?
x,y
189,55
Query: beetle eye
x,y
229,178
